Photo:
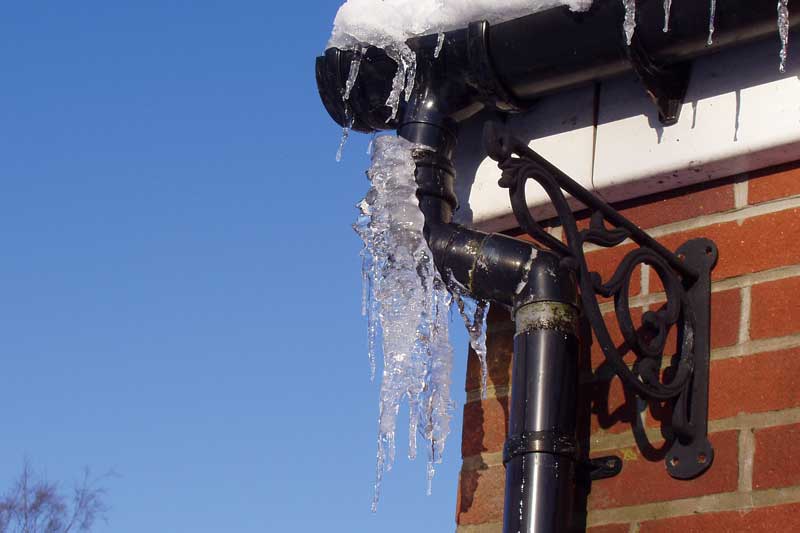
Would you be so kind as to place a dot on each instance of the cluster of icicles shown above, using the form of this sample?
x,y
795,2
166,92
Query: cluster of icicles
x,y
783,24
407,305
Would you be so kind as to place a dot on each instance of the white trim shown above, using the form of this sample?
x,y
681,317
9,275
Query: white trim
x,y
624,153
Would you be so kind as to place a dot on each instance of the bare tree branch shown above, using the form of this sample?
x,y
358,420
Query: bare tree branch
x,y
35,505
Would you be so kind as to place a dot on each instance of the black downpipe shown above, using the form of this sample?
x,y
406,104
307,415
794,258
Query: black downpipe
x,y
491,266
541,451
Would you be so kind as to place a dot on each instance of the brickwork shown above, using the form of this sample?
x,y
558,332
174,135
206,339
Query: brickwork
x,y
754,410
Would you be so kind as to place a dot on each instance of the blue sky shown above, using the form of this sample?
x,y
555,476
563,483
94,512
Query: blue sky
x,y
179,282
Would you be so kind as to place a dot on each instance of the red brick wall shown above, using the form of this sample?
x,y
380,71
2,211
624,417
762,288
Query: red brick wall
x,y
754,483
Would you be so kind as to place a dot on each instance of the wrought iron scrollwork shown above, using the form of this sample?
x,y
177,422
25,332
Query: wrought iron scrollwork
x,y
684,276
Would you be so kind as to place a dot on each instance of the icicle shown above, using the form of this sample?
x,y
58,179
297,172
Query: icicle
x,y
398,85
667,7
712,16
368,273
355,66
439,45
408,301
404,78
783,31
474,314
630,19
371,144
438,404
345,133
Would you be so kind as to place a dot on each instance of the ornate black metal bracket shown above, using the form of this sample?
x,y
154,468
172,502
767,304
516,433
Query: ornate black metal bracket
x,y
685,275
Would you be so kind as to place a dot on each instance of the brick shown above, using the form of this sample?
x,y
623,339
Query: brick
x,y
726,310
773,183
645,481
760,243
754,384
610,408
611,528
763,519
499,352
480,496
674,206
605,262
485,426
682,204
775,309
775,463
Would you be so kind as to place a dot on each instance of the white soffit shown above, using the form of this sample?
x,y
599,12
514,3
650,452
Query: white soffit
x,y
740,115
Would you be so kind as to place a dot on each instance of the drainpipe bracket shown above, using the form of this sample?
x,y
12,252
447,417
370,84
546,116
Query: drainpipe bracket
x,y
601,467
665,85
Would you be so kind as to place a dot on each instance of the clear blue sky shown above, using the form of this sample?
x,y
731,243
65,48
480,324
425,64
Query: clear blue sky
x,y
179,282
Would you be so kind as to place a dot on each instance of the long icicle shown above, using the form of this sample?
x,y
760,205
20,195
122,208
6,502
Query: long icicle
x,y
630,19
667,7
711,16
783,31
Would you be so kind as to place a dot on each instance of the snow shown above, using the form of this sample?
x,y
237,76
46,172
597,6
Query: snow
x,y
382,22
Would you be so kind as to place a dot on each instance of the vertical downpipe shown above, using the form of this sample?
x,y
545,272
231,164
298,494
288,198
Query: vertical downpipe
x,y
540,452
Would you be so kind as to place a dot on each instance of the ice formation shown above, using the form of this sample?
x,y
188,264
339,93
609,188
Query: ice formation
x,y
629,25
407,304
474,313
712,15
345,136
439,44
783,30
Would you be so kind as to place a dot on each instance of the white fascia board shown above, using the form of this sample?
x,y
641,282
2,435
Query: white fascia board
x,y
740,115
560,127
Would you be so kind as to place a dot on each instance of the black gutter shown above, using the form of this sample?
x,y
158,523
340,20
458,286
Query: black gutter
x,y
507,66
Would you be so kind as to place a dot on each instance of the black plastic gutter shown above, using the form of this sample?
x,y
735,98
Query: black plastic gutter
x,y
508,65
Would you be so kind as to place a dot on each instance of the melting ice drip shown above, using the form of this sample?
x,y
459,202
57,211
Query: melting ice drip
x,y
712,15
629,24
474,313
407,305
783,31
